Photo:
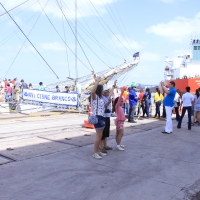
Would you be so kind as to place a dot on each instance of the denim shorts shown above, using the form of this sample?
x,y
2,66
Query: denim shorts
x,y
197,108
101,123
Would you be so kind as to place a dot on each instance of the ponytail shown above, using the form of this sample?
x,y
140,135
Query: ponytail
x,y
115,102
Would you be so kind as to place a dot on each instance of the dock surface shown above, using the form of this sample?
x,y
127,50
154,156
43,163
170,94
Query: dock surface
x,y
50,157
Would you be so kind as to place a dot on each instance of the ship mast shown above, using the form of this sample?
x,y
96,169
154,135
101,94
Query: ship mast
x,y
76,68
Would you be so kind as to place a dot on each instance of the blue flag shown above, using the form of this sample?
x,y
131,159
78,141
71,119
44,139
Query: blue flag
x,y
136,55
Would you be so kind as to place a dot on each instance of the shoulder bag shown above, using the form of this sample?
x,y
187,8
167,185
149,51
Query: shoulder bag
x,y
94,119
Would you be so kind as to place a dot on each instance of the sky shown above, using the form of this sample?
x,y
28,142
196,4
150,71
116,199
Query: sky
x,y
109,32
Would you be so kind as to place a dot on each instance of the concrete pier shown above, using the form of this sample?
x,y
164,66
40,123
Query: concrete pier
x,y
51,158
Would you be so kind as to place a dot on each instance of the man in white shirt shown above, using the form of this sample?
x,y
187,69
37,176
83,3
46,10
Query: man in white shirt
x,y
187,102
78,88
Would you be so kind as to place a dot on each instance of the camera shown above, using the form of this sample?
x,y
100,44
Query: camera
x,y
107,110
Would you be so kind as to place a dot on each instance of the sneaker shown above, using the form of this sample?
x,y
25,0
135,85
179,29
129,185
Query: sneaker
x,y
103,150
132,121
102,154
96,156
122,146
108,148
119,149
165,132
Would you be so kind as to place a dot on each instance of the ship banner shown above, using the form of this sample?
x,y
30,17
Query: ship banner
x,y
56,98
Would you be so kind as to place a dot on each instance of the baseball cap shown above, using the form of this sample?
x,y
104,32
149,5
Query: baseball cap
x,y
133,85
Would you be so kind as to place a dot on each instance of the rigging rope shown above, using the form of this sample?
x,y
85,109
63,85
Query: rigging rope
x,y
96,41
25,41
64,40
109,36
117,25
16,30
29,41
14,8
122,22
109,27
34,1
75,35
92,50
66,46
92,35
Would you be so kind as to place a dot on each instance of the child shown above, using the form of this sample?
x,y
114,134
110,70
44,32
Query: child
x,y
119,121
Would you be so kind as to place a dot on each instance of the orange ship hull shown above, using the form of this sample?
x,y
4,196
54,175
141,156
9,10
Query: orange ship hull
x,y
181,84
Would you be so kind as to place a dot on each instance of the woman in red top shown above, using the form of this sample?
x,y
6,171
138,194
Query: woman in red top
x,y
8,93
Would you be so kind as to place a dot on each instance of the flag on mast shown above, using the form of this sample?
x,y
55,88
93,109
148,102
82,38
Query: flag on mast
x,y
137,54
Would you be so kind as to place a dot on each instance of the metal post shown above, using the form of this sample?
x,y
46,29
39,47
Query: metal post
x,y
76,39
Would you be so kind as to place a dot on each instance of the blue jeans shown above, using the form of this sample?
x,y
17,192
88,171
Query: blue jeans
x,y
131,113
126,108
177,111
189,110
158,104
147,106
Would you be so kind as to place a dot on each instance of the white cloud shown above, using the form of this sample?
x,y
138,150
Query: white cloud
x,y
150,56
67,5
177,29
55,46
126,42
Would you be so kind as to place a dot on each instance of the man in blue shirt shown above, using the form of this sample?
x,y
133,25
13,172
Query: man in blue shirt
x,y
133,104
169,105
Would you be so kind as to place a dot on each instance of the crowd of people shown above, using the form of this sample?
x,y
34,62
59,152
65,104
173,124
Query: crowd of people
x,y
127,104
10,89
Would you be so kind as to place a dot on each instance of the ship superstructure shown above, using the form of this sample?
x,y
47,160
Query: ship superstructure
x,y
185,69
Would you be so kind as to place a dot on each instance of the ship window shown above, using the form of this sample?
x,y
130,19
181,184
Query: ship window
x,y
195,47
198,47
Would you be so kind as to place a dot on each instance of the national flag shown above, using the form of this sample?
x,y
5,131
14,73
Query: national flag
x,y
136,55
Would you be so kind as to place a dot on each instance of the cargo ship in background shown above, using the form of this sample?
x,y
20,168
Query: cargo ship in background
x,y
184,70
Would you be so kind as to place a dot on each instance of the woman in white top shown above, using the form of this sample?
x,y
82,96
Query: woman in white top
x,y
196,108
98,109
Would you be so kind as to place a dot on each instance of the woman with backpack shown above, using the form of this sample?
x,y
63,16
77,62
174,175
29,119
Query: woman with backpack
x,y
98,110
